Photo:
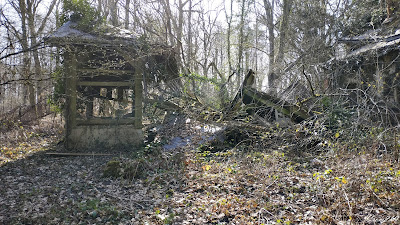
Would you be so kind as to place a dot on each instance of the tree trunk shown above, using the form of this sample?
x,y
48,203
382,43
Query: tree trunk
x,y
127,7
35,53
179,32
99,8
32,8
205,49
269,9
135,11
256,52
114,12
177,27
228,41
26,59
168,22
283,29
27,36
241,42
189,43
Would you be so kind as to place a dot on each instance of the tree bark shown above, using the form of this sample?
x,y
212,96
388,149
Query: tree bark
x,y
189,44
35,53
179,31
99,8
283,29
127,8
228,39
26,59
168,21
269,9
114,12
241,42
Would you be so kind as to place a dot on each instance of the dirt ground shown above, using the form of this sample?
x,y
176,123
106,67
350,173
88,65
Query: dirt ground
x,y
183,181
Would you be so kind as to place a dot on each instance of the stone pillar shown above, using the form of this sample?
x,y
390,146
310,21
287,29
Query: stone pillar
x,y
70,75
138,90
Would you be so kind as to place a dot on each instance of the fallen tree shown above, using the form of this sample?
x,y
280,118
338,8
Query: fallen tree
x,y
261,99
256,99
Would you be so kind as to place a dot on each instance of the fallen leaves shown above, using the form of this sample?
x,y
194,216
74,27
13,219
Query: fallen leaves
x,y
242,185
206,167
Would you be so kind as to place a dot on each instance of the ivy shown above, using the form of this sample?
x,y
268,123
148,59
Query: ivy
x,y
81,12
56,99
201,78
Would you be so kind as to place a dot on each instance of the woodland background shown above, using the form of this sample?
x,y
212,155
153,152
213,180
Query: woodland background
x,y
280,40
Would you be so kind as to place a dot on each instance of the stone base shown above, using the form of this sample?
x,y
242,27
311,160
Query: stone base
x,y
100,136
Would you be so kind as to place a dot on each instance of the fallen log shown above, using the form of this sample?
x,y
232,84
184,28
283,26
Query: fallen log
x,y
294,112
250,96
164,105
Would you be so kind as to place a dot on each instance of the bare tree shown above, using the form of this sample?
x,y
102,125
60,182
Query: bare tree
x,y
34,33
30,28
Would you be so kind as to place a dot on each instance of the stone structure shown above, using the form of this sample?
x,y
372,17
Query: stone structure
x,y
370,62
103,74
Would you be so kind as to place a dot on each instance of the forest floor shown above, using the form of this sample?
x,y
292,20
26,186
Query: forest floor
x,y
268,177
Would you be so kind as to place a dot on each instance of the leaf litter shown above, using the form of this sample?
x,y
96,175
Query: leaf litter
x,y
267,177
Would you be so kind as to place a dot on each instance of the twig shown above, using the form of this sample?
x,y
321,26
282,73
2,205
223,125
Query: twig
x,y
377,197
348,203
263,209
25,79
76,154
309,83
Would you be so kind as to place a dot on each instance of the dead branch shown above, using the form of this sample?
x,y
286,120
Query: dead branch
x,y
76,154
309,83
35,47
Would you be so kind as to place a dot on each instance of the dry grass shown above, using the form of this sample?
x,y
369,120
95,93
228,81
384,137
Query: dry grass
x,y
19,140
